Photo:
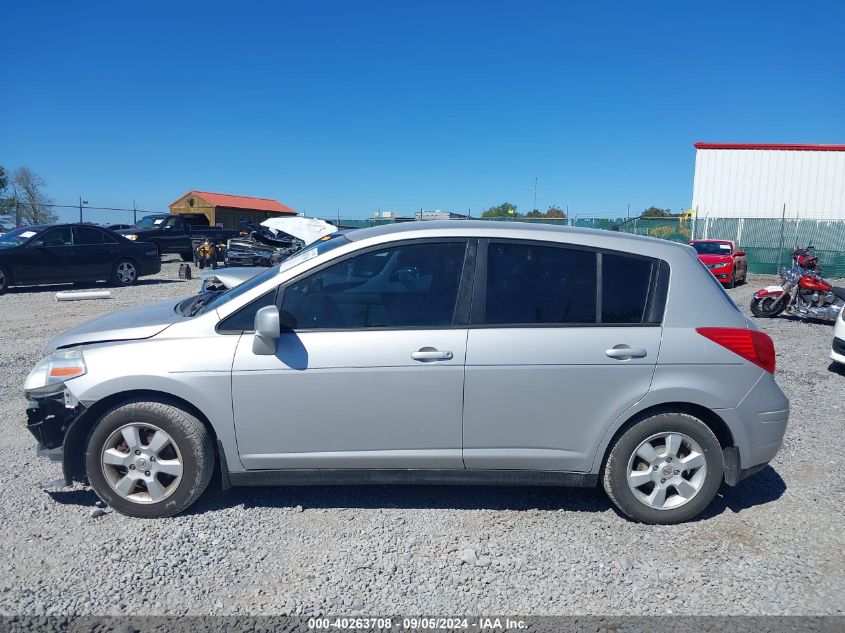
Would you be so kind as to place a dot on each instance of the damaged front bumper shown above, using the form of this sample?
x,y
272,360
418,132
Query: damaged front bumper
x,y
48,419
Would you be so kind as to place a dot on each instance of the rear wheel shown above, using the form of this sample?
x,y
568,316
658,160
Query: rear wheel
x,y
149,459
768,307
4,280
665,469
125,273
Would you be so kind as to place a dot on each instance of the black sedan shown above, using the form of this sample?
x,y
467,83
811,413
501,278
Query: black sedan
x,y
70,253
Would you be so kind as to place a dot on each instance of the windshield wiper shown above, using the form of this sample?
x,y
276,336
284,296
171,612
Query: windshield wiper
x,y
201,301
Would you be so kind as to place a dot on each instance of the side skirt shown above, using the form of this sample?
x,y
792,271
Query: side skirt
x,y
340,477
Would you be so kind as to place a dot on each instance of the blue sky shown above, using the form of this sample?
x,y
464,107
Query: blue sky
x,y
351,107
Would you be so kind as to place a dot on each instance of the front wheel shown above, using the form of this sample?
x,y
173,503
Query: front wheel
x,y
665,469
4,281
149,459
769,307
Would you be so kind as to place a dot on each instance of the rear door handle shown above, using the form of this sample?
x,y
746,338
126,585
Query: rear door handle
x,y
624,352
429,354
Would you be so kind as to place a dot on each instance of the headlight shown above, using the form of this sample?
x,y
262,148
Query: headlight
x,y
720,265
62,365
131,237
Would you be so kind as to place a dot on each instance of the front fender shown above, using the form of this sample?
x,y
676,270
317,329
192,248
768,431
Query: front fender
x,y
769,291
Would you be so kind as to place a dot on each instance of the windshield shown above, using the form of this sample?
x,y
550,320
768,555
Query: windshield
x,y
210,300
150,221
712,248
18,237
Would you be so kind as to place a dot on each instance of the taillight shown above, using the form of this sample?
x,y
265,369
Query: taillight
x,y
752,345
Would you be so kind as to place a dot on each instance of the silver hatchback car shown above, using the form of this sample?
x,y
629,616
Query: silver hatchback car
x,y
436,352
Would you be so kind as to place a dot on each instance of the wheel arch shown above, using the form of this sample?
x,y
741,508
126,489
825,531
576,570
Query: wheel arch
x,y
77,434
710,418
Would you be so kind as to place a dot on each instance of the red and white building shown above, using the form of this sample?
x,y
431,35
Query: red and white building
x,y
739,180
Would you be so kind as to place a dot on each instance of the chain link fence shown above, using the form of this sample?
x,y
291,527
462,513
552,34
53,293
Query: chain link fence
x,y
767,242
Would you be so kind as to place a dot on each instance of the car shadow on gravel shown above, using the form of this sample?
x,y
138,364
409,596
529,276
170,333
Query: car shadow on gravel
x,y
836,368
406,497
759,489
764,487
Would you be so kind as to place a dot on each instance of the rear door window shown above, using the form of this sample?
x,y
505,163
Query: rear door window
x,y
532,284
541,284
87,236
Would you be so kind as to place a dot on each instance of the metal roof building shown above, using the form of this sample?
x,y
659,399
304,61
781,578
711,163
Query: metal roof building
x,y
228,210
736,180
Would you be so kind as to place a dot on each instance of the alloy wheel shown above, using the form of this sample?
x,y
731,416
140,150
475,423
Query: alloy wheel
x,y
126,272
142,463
666,470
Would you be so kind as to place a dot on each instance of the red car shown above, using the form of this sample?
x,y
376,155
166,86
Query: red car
x,y
727,264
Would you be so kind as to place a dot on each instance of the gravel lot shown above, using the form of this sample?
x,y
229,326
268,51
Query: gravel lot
x,y
772,545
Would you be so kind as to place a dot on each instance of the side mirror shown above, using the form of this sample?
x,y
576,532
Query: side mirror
x,y
740,253
267,331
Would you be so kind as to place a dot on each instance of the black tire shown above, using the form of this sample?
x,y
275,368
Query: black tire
x,y
766,308
4,280
125,273
615,479
187,257
188,434
732,282
201,263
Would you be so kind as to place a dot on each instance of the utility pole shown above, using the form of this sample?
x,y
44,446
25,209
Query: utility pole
x,y
17,213
535,193
81,202
134,214
628,215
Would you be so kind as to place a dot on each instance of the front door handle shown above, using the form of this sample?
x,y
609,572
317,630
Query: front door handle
x,y
624,352
430,354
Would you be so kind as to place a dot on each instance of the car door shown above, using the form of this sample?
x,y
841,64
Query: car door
x,y
49,257
96,252
173,235
563,340
369,373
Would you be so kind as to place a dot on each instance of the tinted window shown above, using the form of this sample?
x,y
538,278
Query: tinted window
x,y
527,283
85,235
244,319
55,237
626,282
403,286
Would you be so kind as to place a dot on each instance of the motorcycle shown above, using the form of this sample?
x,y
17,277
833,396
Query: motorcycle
x,y
803,291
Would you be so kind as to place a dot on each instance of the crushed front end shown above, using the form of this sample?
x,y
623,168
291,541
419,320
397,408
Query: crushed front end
x,y
48,419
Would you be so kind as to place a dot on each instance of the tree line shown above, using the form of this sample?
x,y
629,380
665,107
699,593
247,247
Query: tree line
x,y
23,199
507,210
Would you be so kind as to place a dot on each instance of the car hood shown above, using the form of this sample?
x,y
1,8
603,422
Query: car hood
x,y
231,277
716,259
124,325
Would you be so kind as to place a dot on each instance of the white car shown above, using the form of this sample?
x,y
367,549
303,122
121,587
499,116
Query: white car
x,y
837,349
